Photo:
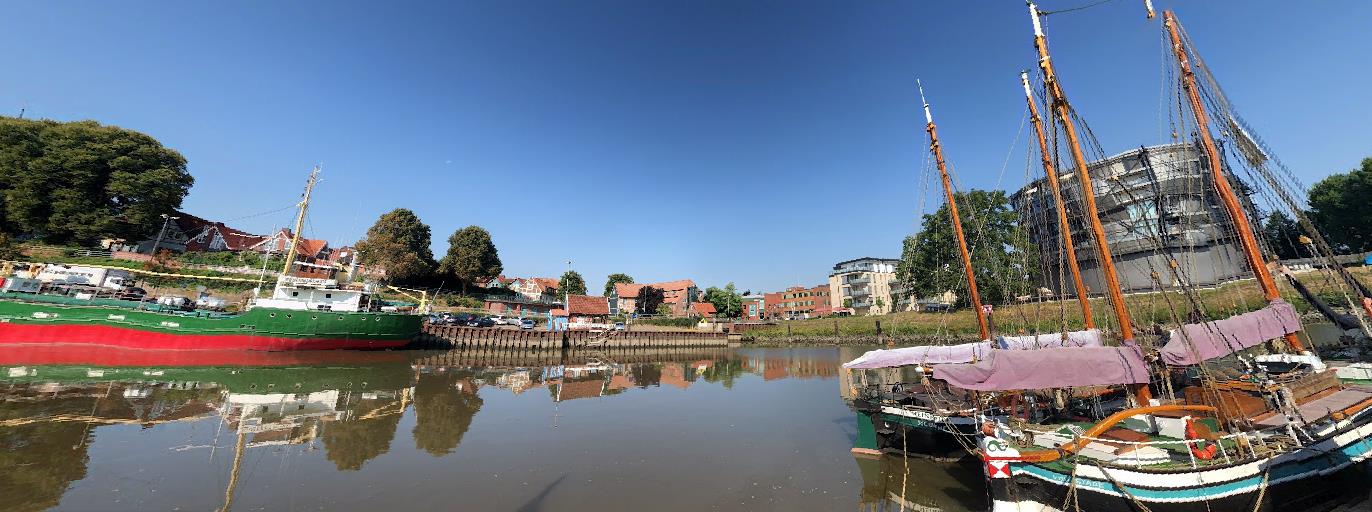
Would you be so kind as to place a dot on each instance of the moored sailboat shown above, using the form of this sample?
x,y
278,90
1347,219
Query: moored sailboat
x,y
1281,431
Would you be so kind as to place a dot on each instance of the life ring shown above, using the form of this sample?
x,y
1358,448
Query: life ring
x,y
1204,453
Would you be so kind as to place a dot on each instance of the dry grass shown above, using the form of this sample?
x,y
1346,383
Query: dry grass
x,y
1146,309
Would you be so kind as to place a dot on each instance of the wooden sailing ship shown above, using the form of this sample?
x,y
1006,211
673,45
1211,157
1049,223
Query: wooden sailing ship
x,y
1284,432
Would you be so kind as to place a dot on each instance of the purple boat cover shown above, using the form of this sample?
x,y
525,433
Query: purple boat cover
x,y
1048,368
1223,337
968,352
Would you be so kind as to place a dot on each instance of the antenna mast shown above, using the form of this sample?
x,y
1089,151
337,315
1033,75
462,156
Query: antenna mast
x,y
300,220
937,149
1068,247
1226,193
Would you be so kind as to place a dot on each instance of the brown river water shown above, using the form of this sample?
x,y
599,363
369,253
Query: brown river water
x,y
706,429
690,429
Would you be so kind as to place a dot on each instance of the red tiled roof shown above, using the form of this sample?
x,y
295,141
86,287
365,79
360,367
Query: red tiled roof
x,y
588,305
546,282
678,285
628,290
704,308
581,389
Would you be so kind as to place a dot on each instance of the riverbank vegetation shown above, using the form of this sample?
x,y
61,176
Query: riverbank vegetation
x,y
1148,310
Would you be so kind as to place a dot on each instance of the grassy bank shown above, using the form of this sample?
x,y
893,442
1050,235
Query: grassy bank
x,y
1146,309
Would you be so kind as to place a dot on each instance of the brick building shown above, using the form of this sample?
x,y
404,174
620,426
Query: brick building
x,y
798,302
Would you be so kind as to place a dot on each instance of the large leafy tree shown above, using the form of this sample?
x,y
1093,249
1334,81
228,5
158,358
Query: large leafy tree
x,y
650,298
1283,234
1002,259
471,256
78,182
571,284
728,303
1341,205
614,279
399,243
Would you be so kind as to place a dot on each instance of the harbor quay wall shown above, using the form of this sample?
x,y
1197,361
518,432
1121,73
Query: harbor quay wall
x,y
497,357
460,337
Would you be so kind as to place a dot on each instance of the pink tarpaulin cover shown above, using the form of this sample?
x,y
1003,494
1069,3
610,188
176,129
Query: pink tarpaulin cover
x,y
1048,368
1223,337
968,352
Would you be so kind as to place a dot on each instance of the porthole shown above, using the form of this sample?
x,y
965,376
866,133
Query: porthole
x,y
340,317
314,317
273,315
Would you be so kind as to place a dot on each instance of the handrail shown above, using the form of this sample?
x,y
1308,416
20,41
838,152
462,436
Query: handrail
x,y
1104,425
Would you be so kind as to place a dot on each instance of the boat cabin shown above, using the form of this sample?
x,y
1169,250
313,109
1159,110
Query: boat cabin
x,y
303,293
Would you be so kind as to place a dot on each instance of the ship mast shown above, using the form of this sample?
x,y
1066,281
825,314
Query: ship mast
x,y
1068,246
1088,194
300,220
1141,392
1222,188
937,149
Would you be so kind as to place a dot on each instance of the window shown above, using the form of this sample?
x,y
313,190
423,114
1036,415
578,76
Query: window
x,y
295,294
328,295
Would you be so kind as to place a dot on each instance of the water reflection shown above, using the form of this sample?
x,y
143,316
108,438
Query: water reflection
x,y
719,428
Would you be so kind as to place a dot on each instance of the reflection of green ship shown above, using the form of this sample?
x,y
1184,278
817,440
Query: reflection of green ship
x,y
389,375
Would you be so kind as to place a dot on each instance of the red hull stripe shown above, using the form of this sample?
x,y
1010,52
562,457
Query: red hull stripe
x,y
104,335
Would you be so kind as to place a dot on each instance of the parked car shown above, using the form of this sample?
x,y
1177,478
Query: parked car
x,y
502,320
527,323
480,321
619,326
211,303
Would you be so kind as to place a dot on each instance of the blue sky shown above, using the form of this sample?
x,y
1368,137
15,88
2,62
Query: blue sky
x,y
757,142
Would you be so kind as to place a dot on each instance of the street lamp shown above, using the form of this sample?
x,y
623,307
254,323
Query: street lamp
x,y
166,219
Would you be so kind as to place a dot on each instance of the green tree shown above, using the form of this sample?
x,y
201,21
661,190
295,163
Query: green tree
x,y
471,256
1283,234
650,299
1341,205
663,309
614,279
728,303
571,284
78,182
399,243
1003,261
350,444
8,251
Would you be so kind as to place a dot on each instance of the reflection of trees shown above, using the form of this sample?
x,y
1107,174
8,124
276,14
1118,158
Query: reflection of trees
x,y
349,444
724,371
647,375
39,460
443,413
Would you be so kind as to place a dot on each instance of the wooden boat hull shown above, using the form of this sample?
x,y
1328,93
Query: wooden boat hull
x,y
918,433
1319,476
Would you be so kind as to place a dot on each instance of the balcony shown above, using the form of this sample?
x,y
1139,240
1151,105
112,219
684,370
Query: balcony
x,y
861,279
859,292
863,303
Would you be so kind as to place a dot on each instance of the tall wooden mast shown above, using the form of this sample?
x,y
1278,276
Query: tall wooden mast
x,y
1247,240
300,221
957,221
1088,194
1068,247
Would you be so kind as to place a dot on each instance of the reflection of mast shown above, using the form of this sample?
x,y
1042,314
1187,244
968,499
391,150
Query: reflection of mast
x,y
1222,187
233,473
937,149
1067,246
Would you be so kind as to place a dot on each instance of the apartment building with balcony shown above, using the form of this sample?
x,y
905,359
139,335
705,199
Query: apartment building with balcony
x,y
863,285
